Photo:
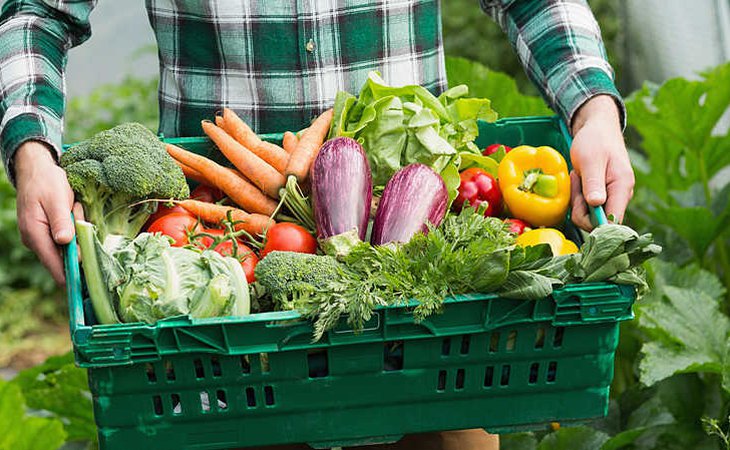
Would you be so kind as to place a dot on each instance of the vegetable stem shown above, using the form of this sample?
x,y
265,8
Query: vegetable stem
x,y
298,204
98,292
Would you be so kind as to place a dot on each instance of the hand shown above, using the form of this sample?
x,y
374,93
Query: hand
x,y
602,173
44,205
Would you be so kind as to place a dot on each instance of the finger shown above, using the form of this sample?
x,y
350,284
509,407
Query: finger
x,y
78,211
579,209
40,242
593,181
59,219
619,195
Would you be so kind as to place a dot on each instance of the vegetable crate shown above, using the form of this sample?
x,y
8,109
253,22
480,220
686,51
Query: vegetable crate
x,y
487,362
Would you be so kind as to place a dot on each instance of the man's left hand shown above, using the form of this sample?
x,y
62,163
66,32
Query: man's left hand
x,y
602,173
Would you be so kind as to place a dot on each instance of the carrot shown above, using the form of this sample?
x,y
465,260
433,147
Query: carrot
x,y
290,141
306,150
249,164
276,156
191,173
236,188
214,214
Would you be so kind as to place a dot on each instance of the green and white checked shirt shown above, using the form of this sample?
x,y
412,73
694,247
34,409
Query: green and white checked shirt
x,y
279,63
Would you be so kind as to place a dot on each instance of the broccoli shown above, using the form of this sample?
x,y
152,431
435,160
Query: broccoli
x,y
117,168
291,277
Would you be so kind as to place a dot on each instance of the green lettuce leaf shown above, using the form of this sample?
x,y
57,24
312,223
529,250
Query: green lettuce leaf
x,y
402,125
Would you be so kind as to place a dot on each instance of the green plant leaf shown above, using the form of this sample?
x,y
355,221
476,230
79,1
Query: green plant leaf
x,y
574,438
18,431
500,88
696,225
666,274
689,334
518,441
483,162
62,389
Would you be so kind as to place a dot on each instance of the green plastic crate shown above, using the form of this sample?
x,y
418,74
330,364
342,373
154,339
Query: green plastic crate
x,y
498,364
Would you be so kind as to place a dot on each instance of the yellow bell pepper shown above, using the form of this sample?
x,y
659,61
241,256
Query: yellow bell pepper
x,y
535,185
558,243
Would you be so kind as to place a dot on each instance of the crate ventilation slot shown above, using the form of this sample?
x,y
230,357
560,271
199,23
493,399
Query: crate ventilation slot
x,y
150,372
489,376
318,363
393,356
169,371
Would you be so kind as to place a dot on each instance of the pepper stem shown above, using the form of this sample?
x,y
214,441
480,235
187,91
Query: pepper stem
x,y
540,183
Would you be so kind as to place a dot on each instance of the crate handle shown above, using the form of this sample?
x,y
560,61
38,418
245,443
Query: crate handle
x,y
73,283
598,214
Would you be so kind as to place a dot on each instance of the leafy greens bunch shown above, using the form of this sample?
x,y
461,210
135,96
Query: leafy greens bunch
x,y
468,253
403,125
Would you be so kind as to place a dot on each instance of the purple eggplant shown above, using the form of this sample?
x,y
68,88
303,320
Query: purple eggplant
x,y
342,188
413,198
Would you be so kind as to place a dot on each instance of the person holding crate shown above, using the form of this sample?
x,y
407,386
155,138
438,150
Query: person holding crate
x,y
278,64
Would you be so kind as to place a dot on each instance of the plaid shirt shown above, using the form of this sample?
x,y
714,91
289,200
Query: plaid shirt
x,y
278,63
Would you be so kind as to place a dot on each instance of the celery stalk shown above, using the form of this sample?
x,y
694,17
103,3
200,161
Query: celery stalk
x,y
101,299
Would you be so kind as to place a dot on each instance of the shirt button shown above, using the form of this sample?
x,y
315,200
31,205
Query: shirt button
x,y
310,46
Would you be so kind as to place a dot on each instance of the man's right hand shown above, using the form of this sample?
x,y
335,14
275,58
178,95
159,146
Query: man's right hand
x,y
44,205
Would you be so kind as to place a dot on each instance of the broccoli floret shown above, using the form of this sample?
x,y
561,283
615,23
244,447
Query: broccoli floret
x,y
118,168
291,277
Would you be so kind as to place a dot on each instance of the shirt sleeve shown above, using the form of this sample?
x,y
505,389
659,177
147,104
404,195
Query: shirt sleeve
x,y
35,36
559,44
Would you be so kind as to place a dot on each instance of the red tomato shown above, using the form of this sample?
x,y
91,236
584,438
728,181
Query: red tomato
x,y
163,210
478,186
289,237
492,149
177,226
517,226
244,254
208,194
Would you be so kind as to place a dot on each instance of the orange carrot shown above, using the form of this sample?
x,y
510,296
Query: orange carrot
x,y
243,193
290,141
214,214
254,168
241,132
191,173
303,155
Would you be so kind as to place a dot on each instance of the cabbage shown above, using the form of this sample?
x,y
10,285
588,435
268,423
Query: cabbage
x,y
165,281
147,280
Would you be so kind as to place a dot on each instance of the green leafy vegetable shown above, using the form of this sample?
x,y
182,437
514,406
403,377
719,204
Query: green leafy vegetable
x,y
146,279
613,252
402,125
